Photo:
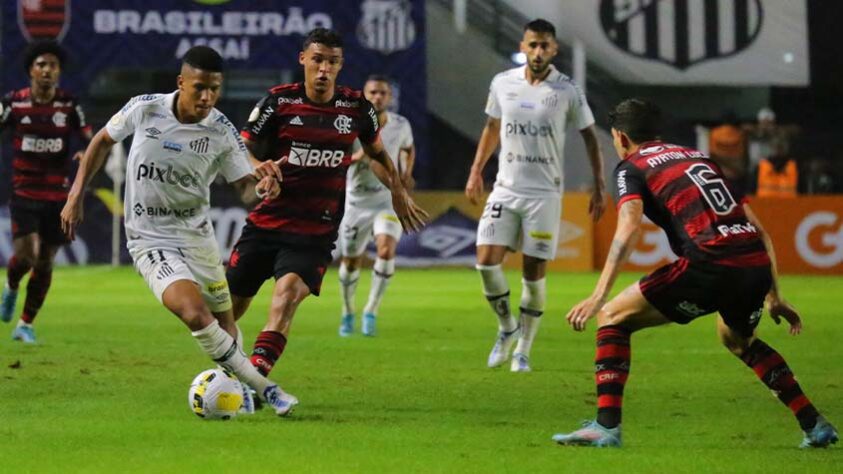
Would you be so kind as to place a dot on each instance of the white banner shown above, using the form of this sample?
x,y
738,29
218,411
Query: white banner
x,y
734,42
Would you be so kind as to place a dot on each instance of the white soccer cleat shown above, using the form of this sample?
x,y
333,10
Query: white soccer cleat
x,y
520,363
280,401
503,346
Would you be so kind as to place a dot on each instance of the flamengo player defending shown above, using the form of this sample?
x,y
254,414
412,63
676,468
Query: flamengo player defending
x,y
368,209
310,127
726,265
44,117
529,109
181,142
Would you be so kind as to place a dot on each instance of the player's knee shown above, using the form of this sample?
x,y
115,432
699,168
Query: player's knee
x,y
351,264
43,265
195,317
25,260
734,344
386,252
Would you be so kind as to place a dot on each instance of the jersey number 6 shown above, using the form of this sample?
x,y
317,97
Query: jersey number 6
x,y
713,188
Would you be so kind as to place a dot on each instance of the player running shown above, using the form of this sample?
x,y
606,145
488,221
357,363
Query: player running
x,y
181,142
368,209
529,109
726,264
44,119
310,127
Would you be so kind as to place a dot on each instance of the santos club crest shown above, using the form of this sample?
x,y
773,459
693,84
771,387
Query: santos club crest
x,y
681,33
43,19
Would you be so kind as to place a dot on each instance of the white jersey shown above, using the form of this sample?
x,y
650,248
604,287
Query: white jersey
x,y
363,188
170,169
533,123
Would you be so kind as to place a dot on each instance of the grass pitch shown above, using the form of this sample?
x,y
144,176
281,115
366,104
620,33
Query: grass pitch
x,y
105,390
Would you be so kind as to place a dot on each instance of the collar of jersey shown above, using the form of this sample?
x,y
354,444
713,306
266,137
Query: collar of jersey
x,y
168,103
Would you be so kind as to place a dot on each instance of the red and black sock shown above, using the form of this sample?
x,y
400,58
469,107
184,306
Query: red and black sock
x,y
15,272
772,369
36,292
268,348
611,367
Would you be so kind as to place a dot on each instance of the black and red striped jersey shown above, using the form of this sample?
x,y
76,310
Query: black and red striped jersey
x,y
317,141
41,159
685,193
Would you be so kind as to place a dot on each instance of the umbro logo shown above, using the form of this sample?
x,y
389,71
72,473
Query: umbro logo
x,y
200,145
152,132
26,120
296,121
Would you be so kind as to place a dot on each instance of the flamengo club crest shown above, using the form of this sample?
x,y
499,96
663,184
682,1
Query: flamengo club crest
x,y
43,19
386,25
681,33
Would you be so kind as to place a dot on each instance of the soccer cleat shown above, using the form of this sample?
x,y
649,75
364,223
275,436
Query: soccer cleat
x,y
368,324
591,434
7,304
820,436
520,363
347,325
24,333
500,351
280,401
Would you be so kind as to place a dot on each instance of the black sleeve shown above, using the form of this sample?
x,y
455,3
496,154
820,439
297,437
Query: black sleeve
x,y
262,121
630,183
368,122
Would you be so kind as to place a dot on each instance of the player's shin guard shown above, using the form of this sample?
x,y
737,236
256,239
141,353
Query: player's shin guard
x,y
533,295
348,285
15,272
223,349
611,367
496,289
36,292
772,369
382,272
268,348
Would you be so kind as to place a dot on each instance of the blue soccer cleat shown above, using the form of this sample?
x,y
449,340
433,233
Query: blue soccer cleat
x,y
368,324
502,347
591,434
7,304
820,436
280,401
347,325
24,333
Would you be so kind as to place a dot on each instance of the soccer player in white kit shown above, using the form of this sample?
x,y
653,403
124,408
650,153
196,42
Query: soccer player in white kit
x,y
181,142
368,209
528,110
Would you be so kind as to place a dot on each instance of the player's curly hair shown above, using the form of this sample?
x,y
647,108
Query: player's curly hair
x,y
639,119
329,38
43,47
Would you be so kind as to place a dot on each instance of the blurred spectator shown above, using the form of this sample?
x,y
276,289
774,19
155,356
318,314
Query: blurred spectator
x,y
760,136
819,177
778,175
727,147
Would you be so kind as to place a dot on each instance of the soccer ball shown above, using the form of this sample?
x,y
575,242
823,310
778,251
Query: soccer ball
x,y
215,394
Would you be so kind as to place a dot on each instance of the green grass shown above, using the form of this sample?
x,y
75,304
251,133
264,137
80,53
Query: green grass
x,y
106,388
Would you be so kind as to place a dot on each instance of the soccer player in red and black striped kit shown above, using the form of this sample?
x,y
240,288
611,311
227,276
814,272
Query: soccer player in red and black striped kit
x,y
43,118
726,264
309,128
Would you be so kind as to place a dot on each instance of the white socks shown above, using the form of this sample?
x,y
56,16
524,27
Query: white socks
x,y
496,290
382,271
348,285
223,349
533,295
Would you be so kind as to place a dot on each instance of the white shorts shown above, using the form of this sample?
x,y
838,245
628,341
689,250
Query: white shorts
x,y
160,267
519,223
360,224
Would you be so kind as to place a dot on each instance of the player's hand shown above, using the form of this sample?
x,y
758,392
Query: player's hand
x,y
269,168
78,156
779,309
412,217
268,187
71,216
583,311
474,188
597,204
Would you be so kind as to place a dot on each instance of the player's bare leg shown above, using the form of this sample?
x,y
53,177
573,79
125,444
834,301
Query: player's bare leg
x,y
533,296
25,252
496,289
349,275
382,271
774,372
617,320
37,287
290,290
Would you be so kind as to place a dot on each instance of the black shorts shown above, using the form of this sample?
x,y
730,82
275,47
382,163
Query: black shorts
x,y
684,291
40,217
259,255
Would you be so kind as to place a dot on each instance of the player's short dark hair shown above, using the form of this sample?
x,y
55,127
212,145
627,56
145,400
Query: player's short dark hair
x,y
324,36
379,78
639,119
43,47
204,58
540,25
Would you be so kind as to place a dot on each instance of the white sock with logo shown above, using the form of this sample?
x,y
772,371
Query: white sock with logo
x,y
223,349
496,289
533,295
382,272
348,286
